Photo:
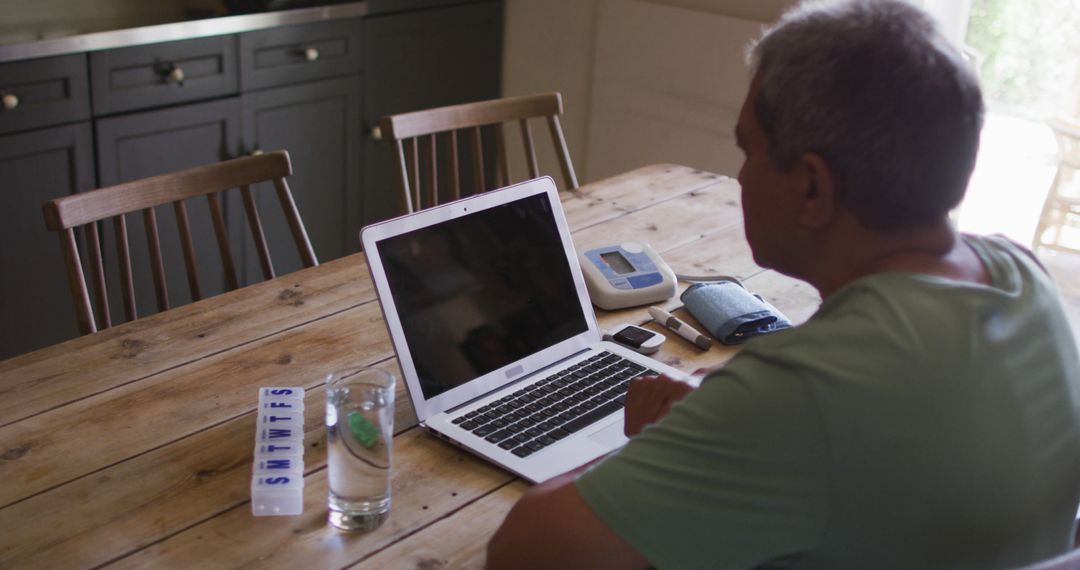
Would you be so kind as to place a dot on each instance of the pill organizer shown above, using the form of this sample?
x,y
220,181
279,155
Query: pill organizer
x,y
277,480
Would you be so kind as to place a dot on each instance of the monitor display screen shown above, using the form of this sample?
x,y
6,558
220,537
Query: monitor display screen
x,y
481,291
620,264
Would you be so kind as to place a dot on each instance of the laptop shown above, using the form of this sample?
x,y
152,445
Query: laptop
x,y
498,344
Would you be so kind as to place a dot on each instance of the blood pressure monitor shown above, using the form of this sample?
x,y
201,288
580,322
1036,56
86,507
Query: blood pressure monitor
x,y
626,275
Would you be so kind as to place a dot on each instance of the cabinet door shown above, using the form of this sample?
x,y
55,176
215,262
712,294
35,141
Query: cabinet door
x,y
158,142
35,301
419,60
319,124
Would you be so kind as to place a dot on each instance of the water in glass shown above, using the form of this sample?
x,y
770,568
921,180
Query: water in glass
x,y
359,427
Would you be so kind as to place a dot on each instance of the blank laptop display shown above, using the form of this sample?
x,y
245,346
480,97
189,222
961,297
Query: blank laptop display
x,y
479,292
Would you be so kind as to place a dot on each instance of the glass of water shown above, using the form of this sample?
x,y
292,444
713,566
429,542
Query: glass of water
x,y
360,435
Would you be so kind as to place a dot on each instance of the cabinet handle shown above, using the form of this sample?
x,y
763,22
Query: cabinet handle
x,y
311,54
175,75
376,133
10,101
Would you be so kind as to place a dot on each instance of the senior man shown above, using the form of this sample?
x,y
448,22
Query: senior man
x,y
928,415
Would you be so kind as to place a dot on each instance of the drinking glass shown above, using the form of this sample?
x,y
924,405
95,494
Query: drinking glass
x,y
360,435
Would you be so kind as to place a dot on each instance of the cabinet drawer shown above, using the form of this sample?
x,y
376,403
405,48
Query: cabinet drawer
x,y
293,54
43,92
163,74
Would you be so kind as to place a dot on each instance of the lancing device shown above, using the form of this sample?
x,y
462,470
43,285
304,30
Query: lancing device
x,y
680,327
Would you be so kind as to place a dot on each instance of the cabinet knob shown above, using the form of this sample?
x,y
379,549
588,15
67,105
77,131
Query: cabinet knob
x,y
10,101
311,54
175,75
376,133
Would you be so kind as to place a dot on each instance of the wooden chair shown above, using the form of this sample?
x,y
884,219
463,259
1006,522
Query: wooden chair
x,y
411,131
1061,210
63,215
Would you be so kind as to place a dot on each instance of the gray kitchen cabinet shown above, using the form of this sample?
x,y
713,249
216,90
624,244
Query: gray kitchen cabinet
x,y
313,89
145,144
419,60
35,303
319,124
155,75
294,54
43,92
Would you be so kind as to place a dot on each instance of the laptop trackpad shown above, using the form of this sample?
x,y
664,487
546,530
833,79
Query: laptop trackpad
x,y
611,436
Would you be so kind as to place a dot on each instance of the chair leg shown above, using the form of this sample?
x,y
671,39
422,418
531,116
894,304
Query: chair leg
x,y
77,282
1049,210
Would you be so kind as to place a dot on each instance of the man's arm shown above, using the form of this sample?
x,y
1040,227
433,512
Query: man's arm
x,y
552,527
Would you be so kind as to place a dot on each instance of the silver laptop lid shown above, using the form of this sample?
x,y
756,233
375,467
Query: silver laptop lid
x,y
480,292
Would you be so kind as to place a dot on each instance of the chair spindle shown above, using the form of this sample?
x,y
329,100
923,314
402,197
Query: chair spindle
x,y
530,149
403,177
123,254
433,173
97,273
414,153
296,226
500,149
455,182
188,246
257,233
222,234
161,290
478,161
83,311
563,153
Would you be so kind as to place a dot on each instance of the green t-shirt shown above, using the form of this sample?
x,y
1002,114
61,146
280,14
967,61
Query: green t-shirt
x,y
913,422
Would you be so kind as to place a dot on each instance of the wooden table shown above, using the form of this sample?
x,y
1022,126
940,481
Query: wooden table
x,y
132,447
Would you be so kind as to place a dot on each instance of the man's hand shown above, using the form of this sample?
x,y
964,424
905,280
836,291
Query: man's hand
x,y
649,398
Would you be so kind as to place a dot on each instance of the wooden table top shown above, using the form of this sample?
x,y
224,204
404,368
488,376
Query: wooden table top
x,y
132,447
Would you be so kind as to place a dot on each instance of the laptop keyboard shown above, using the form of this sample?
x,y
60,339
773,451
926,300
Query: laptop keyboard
x,y
565,402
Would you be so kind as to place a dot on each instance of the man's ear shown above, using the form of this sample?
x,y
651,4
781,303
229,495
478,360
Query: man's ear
x,y
817,190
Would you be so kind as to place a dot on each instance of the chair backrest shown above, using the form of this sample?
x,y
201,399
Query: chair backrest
x,y
411,131
86,209
1067,132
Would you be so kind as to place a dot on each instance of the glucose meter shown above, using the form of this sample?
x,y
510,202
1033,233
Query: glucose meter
x,y
640,339
626,275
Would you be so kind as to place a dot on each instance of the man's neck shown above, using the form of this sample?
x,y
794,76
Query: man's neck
x,y
857,252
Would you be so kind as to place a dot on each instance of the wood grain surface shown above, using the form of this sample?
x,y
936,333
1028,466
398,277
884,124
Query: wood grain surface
x,y
132,447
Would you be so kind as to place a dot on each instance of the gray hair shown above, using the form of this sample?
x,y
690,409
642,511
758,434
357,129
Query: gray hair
x,y
874,89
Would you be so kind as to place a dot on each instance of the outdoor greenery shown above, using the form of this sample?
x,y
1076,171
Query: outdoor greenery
x,y
1030,53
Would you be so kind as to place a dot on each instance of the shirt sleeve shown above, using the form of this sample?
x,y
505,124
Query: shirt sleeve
x,y
735,476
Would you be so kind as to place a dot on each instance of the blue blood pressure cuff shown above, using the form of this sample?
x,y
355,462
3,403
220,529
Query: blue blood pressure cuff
x,y
731,313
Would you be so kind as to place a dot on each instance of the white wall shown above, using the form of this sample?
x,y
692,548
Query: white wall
x,y
550,45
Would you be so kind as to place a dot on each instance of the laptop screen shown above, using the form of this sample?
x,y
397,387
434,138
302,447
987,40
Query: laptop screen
x,y
481,291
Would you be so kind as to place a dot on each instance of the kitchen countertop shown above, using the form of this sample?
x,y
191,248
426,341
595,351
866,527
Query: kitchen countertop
x,y
178,31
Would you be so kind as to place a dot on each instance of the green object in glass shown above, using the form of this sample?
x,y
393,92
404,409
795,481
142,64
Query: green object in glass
x,y
362,430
